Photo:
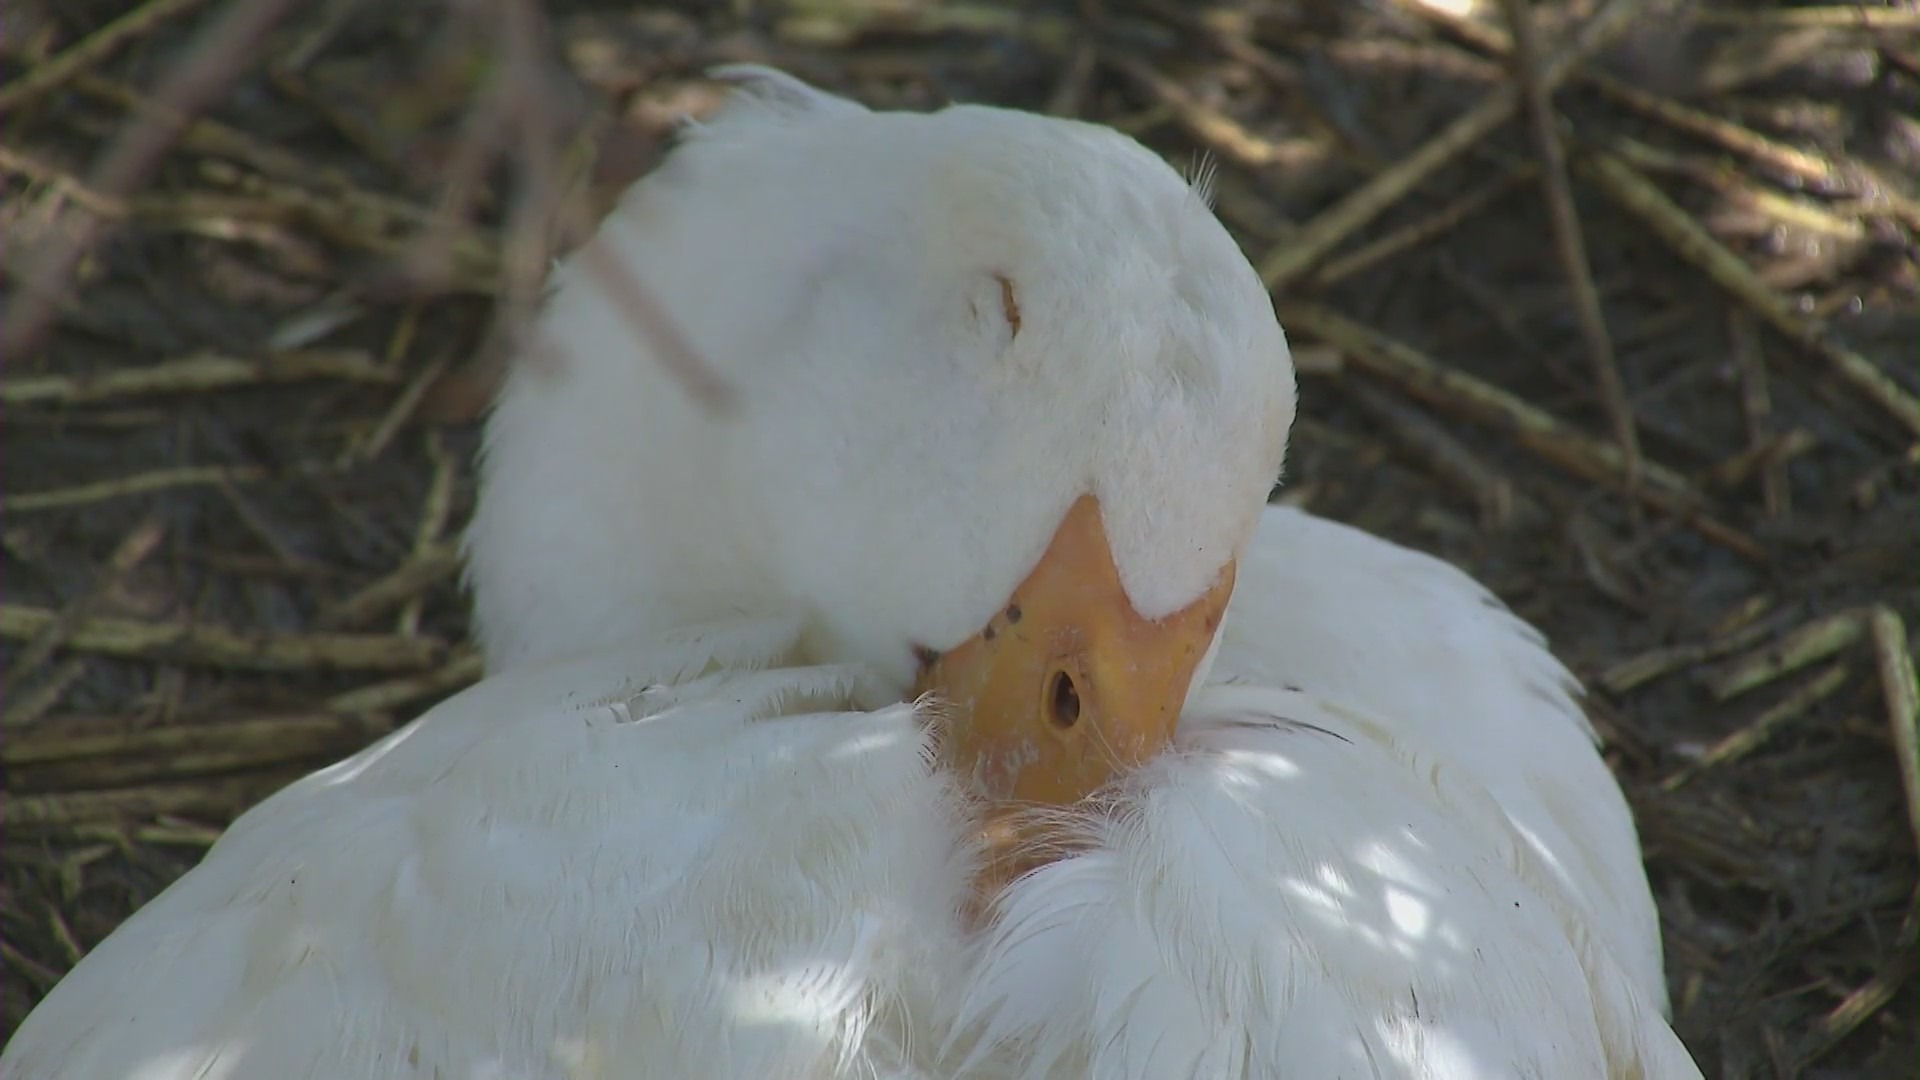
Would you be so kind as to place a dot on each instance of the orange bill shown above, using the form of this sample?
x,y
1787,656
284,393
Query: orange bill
x,y
1068,686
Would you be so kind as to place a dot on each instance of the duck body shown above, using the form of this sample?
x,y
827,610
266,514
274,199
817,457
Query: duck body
x,y
696,823
701,856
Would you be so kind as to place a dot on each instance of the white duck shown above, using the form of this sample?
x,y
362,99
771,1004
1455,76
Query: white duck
x,y
1011,402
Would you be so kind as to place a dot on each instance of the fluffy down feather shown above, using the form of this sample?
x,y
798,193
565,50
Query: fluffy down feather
x,y
1293,892
671,862
1447,669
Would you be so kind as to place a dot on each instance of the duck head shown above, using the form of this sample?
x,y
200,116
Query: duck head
x,y
1008,403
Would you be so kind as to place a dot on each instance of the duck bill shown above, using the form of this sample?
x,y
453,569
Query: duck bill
x,y
1067,687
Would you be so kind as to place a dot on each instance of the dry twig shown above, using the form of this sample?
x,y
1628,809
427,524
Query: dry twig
x,y
420,572
1806,167
1426,379
221,52
1645,667
208,797
54,72
132,549
219,647
1868,998
399,412
1568,238
199,373
464,668
1692,242
1757,731
1303,251
1809,644
1423,230
53,757
1767,457
435,510
137,484
1221,133
1493,494
1894,659
26,705
1756,406
1847,16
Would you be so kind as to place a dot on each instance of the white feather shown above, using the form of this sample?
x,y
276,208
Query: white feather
x,y
1448,670
1295,891
529,882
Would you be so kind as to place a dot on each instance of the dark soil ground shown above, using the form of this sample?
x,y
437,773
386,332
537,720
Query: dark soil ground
x,y
238,457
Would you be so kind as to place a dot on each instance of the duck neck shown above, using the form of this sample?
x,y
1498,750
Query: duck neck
x,y
610,511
